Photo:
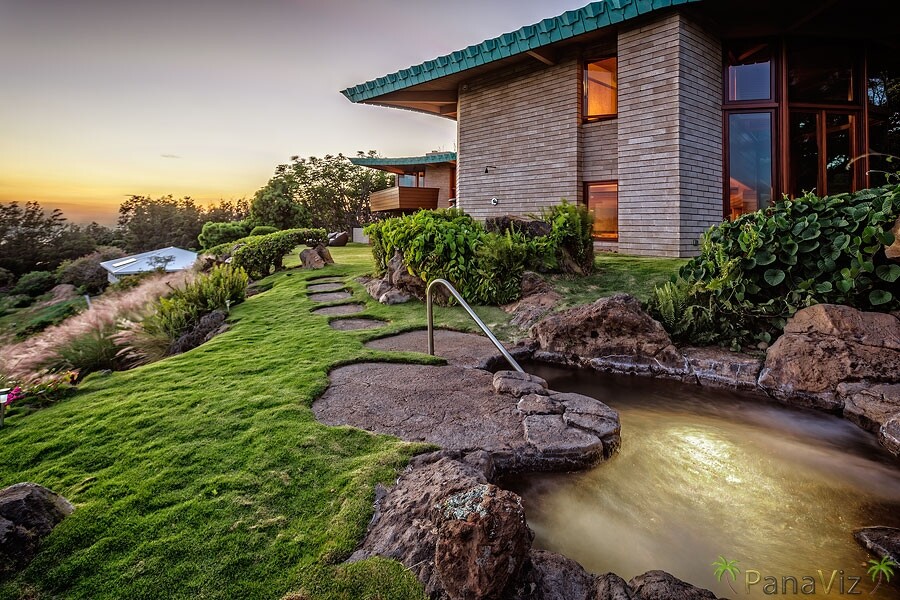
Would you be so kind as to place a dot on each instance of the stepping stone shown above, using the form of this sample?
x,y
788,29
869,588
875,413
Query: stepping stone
x,y
340,309
326,279
352,324
330,296
326,287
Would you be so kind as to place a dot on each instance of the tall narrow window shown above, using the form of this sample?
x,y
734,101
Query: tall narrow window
x,y
749,162
600,89
603,202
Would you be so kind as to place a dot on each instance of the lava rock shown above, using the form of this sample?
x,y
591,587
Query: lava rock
x,y
718,366
482,542
310,259
339,238
659,585
870,406
880,541
519,384
28,513
530,228
208,327
613,334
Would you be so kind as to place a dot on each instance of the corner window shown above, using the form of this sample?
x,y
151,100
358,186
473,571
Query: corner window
x,y
750,72
600,89
411,179
603,203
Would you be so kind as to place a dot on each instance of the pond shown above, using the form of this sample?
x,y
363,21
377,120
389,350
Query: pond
x,y
704,473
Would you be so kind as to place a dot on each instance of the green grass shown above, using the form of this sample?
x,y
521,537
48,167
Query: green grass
x,y
205,475
614,273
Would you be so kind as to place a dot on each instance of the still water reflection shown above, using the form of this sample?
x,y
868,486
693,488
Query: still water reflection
x,y
706,473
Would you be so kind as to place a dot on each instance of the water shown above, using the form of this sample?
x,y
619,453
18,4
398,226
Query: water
x,y
703,473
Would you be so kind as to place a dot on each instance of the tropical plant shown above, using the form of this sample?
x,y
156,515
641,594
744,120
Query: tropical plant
x,y
571,226
882,570
757,271
726,567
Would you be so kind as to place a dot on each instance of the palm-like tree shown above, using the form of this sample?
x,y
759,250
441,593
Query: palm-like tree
x,y
882,570
724,566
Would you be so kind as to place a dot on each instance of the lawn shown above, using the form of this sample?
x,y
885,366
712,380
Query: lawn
x,y
206,476
22,322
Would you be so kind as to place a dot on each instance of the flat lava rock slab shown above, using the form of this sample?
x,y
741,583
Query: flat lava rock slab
x,y
326,287
325,279
358,323
460,349
330,296
340,309
457,409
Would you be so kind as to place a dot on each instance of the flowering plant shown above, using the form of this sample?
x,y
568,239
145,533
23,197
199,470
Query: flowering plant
x,y
15,394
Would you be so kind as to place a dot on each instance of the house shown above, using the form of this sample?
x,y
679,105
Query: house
x,y
665,116
421,182
166,259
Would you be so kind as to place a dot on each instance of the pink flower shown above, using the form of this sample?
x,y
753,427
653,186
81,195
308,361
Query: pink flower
x,y
15,394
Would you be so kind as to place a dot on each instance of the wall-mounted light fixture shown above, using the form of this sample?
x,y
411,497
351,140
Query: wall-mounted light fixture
x,y
488,168
494,201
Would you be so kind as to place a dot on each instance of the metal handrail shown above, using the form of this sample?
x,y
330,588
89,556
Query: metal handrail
x,y
430,313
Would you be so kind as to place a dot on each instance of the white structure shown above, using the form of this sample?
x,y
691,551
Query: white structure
x,y
166,259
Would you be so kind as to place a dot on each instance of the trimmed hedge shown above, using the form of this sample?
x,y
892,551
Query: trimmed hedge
x,y
261,254
215,233
755,272
485,267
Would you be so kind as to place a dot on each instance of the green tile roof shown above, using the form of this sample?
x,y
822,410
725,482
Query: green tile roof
x,y
592,17
428,159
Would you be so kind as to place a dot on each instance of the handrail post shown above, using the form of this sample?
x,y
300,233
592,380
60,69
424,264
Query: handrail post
x,y
429,312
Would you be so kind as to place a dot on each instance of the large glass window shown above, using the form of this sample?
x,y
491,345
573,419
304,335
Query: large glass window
x,y
603,203
820,73
750,72
411,179
883,91
600,89
749,162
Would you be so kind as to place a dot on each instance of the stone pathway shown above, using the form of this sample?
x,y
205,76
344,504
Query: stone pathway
x,y
326,287
329,296
460,349
340,309
355,324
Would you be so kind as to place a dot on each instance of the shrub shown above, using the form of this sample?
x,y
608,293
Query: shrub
x,y
448,244
50,315
755,272
263,230
35,283
173,316
571,226
259,255
215,233
85,273
7,278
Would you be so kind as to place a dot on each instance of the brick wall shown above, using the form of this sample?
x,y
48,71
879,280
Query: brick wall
x,y
669,151
524,121
438,176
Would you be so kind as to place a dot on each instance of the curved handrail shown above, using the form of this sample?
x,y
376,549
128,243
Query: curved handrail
x,y
430,313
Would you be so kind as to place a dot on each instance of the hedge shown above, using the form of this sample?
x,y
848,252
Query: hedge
x,y
259,255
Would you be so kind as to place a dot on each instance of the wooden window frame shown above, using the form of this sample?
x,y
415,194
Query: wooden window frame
x,y
585,192
585,118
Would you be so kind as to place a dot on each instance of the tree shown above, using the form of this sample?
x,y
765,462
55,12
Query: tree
x,y
333,191
29,236
882,570
85,273
149,224
276,205
726,567
214,233
227,210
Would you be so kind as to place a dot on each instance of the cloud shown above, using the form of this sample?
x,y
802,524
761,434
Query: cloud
x,y
170,156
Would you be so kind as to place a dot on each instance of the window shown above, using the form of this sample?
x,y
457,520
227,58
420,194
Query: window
x,y
603,203
600,89
749,162
750,72
411,179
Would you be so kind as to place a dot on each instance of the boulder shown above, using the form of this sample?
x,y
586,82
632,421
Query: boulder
x,y
519,384
28,513
552,576
870,406
612,334
889,435
398,275
893,251
324,254
825,345
310,259
659,585
394,296
482,542
338,238
880,541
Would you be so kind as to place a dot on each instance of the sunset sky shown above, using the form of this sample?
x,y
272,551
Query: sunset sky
x,y
203,98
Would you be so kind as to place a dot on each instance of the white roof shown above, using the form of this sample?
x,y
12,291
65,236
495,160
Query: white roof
x,y
171,258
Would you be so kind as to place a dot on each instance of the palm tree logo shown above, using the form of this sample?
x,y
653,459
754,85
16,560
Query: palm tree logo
x,y
728,567
882,570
